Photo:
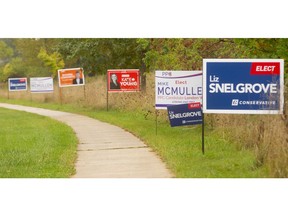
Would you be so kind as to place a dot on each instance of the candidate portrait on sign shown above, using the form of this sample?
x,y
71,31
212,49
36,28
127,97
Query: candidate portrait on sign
x,y
114,84
78,80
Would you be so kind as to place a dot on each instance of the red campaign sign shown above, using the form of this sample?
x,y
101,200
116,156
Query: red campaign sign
x,y
265,68
194,105
123,80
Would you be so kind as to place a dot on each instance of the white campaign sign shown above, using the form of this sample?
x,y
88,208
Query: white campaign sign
x,y
41,85
177,87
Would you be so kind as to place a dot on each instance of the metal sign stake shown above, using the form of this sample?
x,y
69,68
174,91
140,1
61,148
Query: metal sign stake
x,y
203,141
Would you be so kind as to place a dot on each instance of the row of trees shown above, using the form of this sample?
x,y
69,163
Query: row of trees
x,y
44,56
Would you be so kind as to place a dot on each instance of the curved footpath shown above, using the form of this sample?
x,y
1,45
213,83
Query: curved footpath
x,y
105,151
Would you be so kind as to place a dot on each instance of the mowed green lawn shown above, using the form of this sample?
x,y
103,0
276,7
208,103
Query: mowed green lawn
x,y
33,146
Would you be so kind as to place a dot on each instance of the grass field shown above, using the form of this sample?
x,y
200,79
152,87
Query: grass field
x,y
179,147
33,146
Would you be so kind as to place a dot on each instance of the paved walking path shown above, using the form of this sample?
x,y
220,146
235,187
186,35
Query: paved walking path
x,y
105,150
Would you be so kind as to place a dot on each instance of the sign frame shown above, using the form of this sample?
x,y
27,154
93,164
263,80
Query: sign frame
x,y
9,84
246,111
71,69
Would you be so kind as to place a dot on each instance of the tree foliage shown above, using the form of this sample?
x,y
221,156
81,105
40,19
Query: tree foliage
x,y
185,53
20,57
14,68
96,55
5,51
54,61
39,57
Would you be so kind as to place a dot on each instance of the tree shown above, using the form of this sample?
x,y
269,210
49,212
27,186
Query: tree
x,y
54,61
24,61
97,55
5,51
14,69
185,53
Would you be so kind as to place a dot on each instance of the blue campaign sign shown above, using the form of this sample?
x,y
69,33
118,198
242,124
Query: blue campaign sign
x,y
17,84
185,114
248,86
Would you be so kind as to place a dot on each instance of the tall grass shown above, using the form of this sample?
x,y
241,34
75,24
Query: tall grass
x,y
265,135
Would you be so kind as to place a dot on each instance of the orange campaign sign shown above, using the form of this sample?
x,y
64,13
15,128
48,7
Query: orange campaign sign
x,y
71,77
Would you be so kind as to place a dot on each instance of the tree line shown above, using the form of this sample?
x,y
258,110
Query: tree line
x,y
36,57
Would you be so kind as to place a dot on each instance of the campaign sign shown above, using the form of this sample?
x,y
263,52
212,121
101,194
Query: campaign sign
x,y
41,84
71,77
185,114
17,84
123,80
247,86
177,87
